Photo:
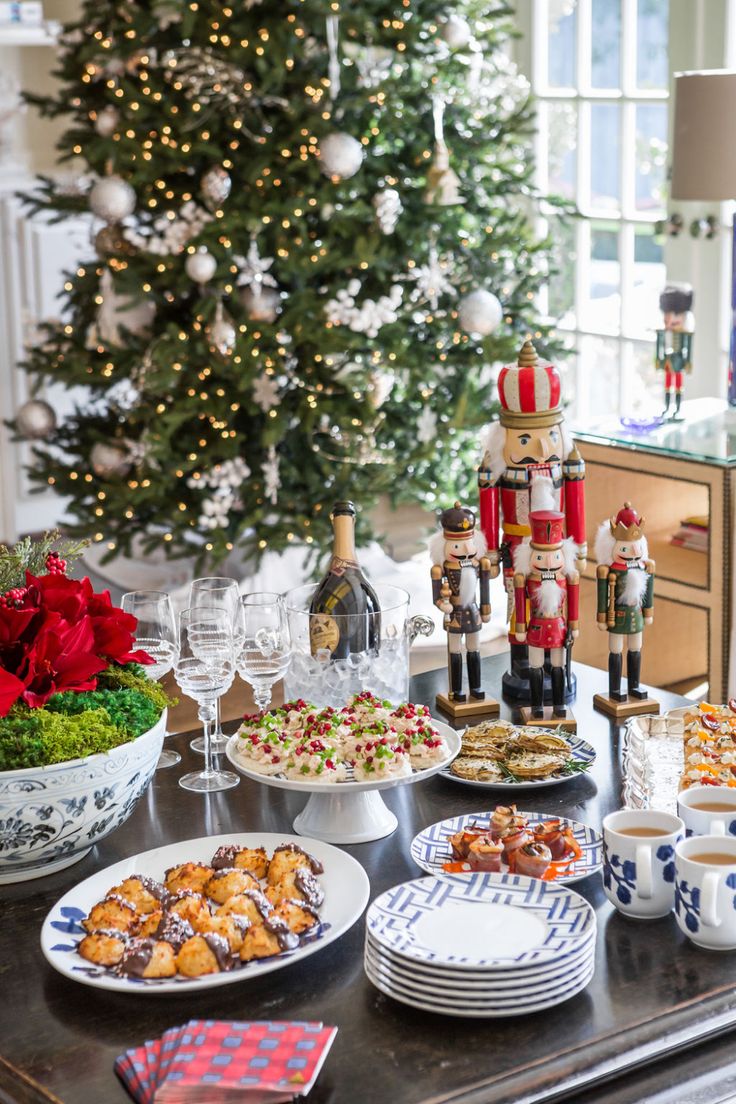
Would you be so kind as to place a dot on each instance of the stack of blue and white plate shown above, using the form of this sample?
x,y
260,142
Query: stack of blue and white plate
x,y
480,945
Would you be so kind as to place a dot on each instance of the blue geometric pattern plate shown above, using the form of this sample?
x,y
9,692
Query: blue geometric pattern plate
x,y
344,881
480,921
430,848
583,755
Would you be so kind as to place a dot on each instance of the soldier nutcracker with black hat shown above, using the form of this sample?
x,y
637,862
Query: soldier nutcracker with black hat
x,y
460,569
547,604
675,344
625,582
529,463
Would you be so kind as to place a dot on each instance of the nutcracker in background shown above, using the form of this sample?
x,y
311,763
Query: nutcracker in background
x,y
625,581
529,463
675,343
460,569
546,599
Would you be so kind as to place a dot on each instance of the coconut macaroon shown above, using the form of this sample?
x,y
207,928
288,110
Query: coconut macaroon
x,y
204,954
227,882
253,859
272,937
148,958
192,907
104,948
300,885
112,913
189,875
231,927
145,894
289,857
299,915
253,905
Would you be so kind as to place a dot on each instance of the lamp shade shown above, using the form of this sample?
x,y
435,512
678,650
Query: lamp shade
x,y
704,136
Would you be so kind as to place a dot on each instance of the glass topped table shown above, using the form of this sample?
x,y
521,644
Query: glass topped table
x,y
707,432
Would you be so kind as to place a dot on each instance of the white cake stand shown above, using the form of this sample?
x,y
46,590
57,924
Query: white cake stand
x,y
346,812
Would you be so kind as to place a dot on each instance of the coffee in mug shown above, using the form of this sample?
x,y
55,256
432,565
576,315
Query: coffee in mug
x,y
708,810
639,861
705,868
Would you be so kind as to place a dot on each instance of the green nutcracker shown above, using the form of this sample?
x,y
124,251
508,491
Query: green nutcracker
x,y
625,583
675,343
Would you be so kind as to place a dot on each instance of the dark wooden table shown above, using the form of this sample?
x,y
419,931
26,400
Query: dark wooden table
x,y
652,990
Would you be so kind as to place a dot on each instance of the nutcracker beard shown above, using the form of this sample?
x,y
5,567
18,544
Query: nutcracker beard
x,y
634,586
548,598
468,583
542,491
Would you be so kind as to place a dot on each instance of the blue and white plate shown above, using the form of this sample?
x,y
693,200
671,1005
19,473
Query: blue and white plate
x,y
480,922
427,1003
431,848
487,989
344,881
583,755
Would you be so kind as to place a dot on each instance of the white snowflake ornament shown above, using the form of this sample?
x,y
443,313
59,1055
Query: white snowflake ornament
x,y
427,426
271,476
253,268
265,392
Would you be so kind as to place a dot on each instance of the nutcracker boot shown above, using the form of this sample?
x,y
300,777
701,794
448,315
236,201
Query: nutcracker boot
x,y
473,660
615,667
456,676
678,401
558,692
633,674
536,686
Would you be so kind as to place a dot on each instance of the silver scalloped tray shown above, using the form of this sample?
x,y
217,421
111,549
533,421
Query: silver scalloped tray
x,y
653,758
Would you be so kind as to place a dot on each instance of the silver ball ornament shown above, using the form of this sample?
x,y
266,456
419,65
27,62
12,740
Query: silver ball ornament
x,y
107,121
215,187
112,199
110,461
456,32
340,155
35,420
200,266
221,333
262,303
480,312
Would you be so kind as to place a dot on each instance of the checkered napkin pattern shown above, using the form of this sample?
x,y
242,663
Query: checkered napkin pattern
x,y
254,1061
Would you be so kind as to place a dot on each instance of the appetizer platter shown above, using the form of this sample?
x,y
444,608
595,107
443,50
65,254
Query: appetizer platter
x,y
341,759
509,841
204,913
496,754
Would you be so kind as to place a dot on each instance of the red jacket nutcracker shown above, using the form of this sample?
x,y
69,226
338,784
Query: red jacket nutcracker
x,y
529,463
547,602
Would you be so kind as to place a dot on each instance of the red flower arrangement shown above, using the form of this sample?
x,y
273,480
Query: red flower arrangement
x,y
58,634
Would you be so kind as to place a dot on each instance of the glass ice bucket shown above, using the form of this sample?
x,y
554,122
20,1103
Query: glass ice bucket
x,y
383,669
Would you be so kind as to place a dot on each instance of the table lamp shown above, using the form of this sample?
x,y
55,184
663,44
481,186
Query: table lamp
x,y
704,158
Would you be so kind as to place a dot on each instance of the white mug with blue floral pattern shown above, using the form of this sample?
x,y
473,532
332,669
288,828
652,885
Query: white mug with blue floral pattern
x,y
705,892
708,822
639,870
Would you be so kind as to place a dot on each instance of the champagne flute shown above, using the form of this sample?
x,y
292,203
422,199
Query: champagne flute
x,y
222,593
204,670
265,651
156,634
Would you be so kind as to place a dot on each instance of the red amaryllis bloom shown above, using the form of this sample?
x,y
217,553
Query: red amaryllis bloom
x,y
60,639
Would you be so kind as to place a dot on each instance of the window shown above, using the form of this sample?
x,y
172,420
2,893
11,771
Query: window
x,y
600,73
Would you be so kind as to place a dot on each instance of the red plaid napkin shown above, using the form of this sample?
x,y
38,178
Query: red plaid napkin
x,y
253,1061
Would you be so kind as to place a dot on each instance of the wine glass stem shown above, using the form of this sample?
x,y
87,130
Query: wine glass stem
x,y
262,695
206,714
218,734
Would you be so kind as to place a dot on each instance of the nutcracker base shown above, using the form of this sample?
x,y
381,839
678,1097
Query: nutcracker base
x,y
515,686
489,707
567,724
630,707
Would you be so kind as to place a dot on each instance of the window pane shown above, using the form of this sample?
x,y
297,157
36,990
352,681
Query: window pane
x,y
605,60
600,364
561,43
650,276
605,155
563,259
601,309
652,25
562,143
651,157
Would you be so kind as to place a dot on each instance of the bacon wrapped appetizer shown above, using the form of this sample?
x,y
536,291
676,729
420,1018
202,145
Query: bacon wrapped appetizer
x,y
533,859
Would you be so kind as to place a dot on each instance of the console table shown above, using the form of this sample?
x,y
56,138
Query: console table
x,y
669,473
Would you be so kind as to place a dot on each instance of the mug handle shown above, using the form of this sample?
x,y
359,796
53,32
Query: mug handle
x,y
717,828
644,871
708,898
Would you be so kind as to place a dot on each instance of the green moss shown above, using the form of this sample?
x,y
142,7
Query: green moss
x,y
129,710
72,725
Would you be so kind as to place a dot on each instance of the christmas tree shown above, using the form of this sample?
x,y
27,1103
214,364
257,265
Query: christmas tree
x,y
312,241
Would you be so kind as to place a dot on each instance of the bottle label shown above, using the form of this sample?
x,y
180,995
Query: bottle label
x,y
338,565
323,632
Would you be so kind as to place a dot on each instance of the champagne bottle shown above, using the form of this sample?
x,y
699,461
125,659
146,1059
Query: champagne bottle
x,y
346,616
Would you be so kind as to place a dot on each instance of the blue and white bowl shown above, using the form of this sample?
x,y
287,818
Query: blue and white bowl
x,y
51,817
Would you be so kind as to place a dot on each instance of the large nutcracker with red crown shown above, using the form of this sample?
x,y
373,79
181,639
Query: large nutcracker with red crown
x,y
529,463
547,602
